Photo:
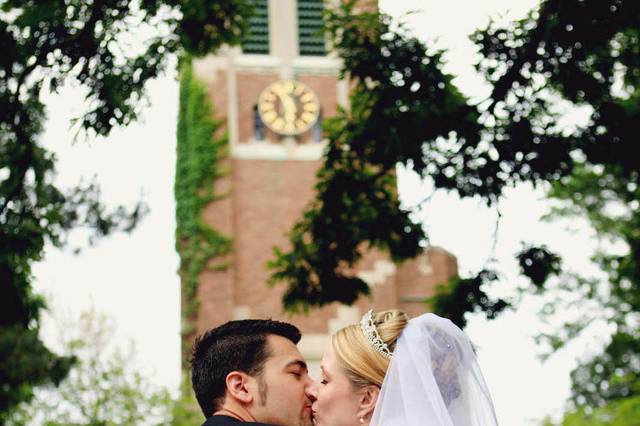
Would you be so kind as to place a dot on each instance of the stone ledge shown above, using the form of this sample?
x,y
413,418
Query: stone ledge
x,y
278,152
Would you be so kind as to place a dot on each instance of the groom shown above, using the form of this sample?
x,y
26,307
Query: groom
x,y
251,371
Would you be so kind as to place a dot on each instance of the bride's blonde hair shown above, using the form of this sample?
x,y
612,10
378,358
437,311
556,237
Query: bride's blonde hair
x,y
363,364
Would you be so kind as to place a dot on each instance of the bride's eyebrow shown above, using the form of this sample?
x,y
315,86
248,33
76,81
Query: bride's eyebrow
x,y
323,370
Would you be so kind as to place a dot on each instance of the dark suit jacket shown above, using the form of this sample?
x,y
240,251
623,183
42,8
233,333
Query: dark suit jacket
x,y
228,421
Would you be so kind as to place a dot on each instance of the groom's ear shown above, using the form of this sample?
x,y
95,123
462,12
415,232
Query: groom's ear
x,y
238,387
368,398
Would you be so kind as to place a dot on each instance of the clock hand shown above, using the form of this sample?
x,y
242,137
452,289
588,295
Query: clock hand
x,y
288,104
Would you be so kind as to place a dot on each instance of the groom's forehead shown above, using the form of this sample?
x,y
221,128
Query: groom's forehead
x,y
284,352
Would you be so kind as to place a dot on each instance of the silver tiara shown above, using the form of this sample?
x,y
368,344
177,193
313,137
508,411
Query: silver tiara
x,y
371,333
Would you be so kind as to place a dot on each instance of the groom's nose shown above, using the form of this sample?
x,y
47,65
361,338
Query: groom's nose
x,y
311,389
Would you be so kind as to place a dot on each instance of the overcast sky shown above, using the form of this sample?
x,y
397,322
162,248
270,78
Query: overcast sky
x,y
132,278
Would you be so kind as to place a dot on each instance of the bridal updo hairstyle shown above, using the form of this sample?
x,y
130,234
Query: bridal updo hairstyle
x,y
363,365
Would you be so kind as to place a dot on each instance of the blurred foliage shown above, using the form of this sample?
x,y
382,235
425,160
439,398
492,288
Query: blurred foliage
x,y
587,54
185,410
462,295
111,48
610,376
538,263
104,387
625,412
25,356
608,196
201,147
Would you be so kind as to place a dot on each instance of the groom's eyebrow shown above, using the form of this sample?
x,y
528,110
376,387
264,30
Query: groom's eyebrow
x,y
300,363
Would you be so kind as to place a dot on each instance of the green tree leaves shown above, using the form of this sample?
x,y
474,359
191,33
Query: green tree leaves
x,y
403,109
111,48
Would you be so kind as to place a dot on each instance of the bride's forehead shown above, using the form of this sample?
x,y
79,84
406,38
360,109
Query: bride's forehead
x,y
329,359
329,351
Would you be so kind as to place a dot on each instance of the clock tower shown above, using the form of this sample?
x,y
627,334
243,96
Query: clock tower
x,y
273,93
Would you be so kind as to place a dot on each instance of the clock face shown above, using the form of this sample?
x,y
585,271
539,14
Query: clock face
x,y
288,107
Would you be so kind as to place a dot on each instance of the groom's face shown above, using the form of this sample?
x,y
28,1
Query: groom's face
x,y
285,386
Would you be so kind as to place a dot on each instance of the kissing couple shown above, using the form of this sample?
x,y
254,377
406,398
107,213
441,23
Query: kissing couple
x,y
386,370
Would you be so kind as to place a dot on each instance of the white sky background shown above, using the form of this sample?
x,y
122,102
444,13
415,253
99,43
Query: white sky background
x,y
132,278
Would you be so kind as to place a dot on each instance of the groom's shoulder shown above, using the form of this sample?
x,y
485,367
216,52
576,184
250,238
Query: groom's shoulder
x,y
224,421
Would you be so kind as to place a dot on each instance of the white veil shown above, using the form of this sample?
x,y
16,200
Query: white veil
x,y
433,379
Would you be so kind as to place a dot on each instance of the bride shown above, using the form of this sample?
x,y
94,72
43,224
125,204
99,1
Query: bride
x,y
392,371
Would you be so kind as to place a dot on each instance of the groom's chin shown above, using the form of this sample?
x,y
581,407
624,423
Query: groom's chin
x,y
307,417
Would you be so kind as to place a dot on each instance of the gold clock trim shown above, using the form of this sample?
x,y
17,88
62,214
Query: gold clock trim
x,y
288,107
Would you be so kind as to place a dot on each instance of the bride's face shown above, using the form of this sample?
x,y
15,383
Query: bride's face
x,y
337,401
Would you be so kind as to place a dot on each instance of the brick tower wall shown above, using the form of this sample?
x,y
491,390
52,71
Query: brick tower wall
x,y
267,187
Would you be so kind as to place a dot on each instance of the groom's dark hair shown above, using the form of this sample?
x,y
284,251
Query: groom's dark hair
x,y
233,346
